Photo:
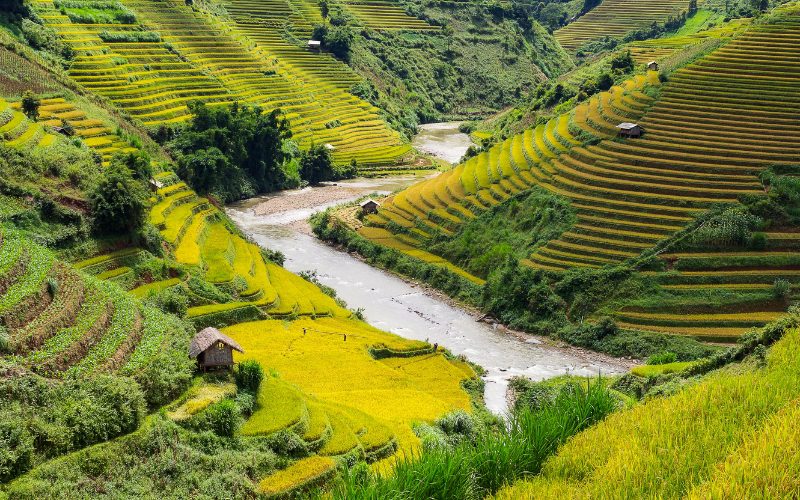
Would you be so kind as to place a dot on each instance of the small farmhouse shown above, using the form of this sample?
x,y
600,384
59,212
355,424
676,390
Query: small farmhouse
x,y
630,130
155,184
369,207
652,66
314,44
213,349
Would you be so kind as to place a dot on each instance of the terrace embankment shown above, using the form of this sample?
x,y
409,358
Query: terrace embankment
x,y
402,307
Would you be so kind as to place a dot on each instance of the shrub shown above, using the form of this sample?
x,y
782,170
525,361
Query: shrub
x,y
662,358
222,417
117,201
171,300
16,449
249,375
5,339
781,289
30,105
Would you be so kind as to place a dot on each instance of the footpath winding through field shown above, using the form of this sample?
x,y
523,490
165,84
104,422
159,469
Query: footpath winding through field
x,y
403,308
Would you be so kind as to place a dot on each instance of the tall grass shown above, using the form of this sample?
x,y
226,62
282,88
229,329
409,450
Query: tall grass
x,y
476,469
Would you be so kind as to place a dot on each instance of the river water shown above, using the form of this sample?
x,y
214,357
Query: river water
x,y
395,305
442,140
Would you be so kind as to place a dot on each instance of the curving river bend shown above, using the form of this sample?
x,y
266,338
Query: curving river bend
x,y
277,221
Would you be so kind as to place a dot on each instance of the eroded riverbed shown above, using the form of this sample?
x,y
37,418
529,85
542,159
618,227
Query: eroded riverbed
x,y
403,308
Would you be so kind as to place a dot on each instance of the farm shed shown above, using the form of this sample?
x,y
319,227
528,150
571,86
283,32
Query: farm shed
x,y
369,207
314,44
213,349
652,66
630,130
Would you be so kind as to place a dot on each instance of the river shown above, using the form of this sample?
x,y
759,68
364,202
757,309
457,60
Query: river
x,y
390,303
442,140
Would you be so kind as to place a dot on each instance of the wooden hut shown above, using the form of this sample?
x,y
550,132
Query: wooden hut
x,y
213,349
314,45
369,207
630,130
652,66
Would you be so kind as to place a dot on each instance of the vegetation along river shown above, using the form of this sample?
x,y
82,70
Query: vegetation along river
x,y
278,221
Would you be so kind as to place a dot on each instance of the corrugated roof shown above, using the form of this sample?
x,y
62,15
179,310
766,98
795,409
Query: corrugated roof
x,y
206,338
627,126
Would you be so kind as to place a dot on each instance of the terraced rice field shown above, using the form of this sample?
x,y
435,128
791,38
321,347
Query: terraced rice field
x,y
354,404
615,18
201,57
629,194
96,134
384,15
201,236
17,131
64,322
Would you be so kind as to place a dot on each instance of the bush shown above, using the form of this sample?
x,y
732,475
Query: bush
x,y
30,105
16,449
781,289
222,417
117,202
5,339
249,375
171,300
662,358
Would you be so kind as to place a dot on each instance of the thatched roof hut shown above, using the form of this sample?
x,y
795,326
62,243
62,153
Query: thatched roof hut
x,y
213,349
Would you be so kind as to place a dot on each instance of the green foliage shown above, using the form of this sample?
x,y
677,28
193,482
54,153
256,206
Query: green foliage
x,y
511,229
478,467
486,56
336,39
46,39
5,340
249,375
623,62
137,162
159,460
30,105
316,165
781,289
129,36
232,152
41,418
117,201
222,417
662,358
16,449
172,301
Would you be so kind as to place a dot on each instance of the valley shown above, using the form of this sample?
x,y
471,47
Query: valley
x,y
399,249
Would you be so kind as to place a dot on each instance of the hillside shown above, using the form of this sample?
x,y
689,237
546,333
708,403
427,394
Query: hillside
x,y
637,201
731,435
126,125
105,320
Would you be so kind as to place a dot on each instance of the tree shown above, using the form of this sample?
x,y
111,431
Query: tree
x,y
324,9
137,162
117,201
591,4
232,151
30,105
339,40
604,82
622,62
316,165
553,15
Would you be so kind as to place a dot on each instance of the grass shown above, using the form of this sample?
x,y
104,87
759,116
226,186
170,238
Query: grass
x,y
696,439
496,457
655,370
